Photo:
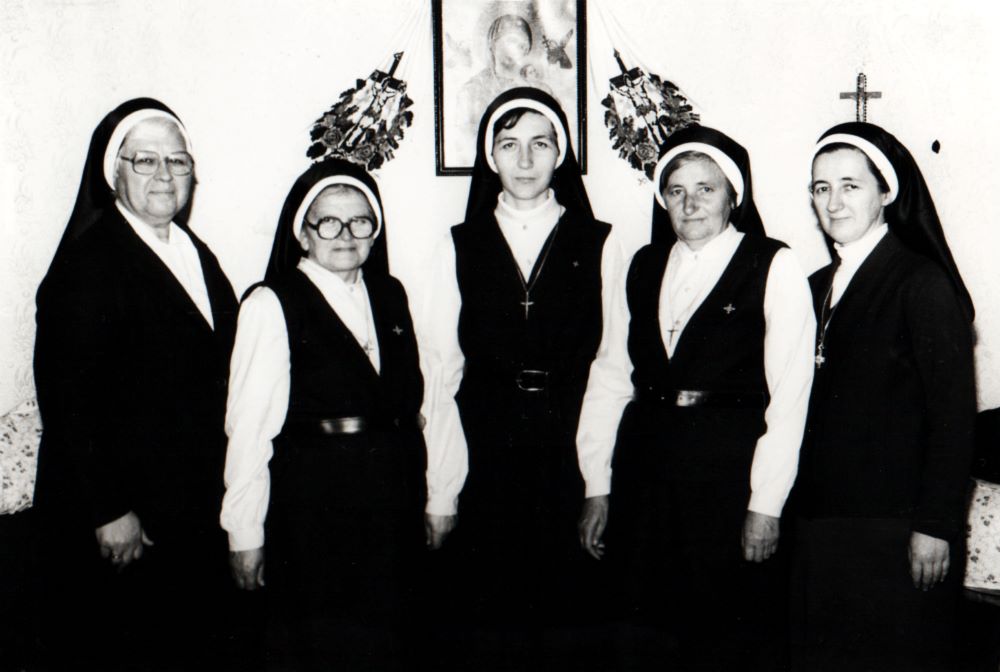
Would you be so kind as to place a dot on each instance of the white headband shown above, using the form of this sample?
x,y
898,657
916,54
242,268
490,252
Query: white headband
x,y
726,165
123,128
545,110
880,160
300,214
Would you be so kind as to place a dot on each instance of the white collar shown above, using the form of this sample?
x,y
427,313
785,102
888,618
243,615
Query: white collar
x,y
721,244
328,278
146,232
855,252
542,211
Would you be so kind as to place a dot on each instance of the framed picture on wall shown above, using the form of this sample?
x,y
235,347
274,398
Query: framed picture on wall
x,y
484,47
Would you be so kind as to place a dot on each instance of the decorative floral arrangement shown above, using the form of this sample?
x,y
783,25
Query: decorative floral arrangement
x,y
367,123
643,111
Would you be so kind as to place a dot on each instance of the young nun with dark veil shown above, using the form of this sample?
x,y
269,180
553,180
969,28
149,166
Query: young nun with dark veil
x,y
889,439
325,467
517,309
135,327
714,381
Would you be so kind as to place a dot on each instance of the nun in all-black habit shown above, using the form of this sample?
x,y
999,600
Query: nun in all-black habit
x,y
719,341
135,326
889,439
515,314
324,441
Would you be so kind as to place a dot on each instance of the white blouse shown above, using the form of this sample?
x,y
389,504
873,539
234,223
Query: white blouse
x,y
442,359
259,383
788,364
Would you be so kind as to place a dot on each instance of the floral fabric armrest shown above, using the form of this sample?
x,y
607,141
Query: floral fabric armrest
x,y
20,433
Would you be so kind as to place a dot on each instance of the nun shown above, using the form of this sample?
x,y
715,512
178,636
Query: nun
x,y
889,439
135,327
325,465
714,380
517,308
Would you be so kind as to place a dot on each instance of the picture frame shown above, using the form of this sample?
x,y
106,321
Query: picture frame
x,y
482,48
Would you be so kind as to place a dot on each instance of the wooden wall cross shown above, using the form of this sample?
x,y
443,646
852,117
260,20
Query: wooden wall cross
x,y
860,96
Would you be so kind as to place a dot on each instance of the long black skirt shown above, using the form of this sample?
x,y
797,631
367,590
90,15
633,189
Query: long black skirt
x,y
686,597
854,605
344,546
520,593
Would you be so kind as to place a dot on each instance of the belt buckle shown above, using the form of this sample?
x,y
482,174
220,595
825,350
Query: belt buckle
x,y
687,398
334,426
532,380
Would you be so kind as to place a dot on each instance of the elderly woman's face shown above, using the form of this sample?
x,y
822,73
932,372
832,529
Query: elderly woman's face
x,y
846,195
698,201
157,198
344,254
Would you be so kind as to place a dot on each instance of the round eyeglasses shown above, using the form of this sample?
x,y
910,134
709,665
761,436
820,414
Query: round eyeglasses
x,y
329,228
147,163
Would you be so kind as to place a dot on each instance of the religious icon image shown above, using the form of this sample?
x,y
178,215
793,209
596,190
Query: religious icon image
x,y
485,48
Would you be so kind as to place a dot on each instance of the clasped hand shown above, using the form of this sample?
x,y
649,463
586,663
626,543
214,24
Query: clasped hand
x,y
122,540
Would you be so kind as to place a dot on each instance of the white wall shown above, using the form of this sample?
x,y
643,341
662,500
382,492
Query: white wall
x,y
249,78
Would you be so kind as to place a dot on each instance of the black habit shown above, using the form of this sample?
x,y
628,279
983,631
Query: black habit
x,y
887,452
344,535
519,576
681,475
131,386
889,437
344,531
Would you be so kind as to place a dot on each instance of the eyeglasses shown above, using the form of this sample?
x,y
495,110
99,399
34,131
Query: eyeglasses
x,y
329,228
147,163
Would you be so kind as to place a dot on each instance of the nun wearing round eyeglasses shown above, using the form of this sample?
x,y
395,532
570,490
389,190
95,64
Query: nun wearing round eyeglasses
x,y
325,466
135,327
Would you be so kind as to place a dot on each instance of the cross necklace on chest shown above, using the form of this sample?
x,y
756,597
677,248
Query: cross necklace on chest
x,y
825,315
529,284
821,341
368,345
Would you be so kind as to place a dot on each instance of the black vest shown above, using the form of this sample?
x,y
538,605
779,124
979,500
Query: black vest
x,y
720,350
722,346
332,376
563,330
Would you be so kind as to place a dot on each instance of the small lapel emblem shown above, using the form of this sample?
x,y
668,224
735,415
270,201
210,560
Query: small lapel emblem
x,y
396,330
729,308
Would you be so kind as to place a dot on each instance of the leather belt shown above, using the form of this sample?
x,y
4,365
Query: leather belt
x,y
334,426
693,398
346,425
532,380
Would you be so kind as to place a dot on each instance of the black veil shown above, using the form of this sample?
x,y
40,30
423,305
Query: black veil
x,y
744,216
911,216
567,182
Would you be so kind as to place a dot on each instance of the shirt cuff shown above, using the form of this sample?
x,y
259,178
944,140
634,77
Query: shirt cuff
x,y
766,503
442,506
246,540
595,487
